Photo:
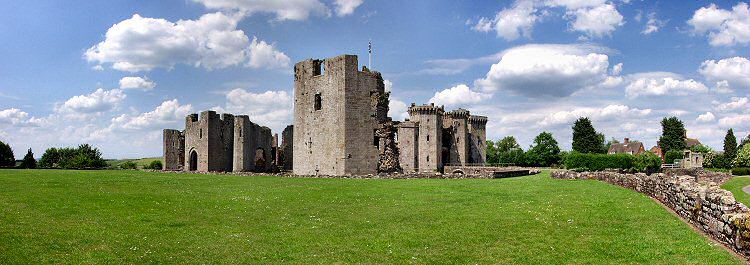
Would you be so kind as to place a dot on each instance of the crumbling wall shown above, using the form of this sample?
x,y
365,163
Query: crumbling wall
x,y
286,157
174,149
707,206
701,175
389,152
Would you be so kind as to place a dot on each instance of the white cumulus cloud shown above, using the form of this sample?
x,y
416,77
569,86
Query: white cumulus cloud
x,y
510,23
736,103
706,117
457,95
653,24
605,113
658,84
723,27
735,71
284,10
346,7
212,41
598,21
547,70
168,112
99,101
270,108
136,82
735,121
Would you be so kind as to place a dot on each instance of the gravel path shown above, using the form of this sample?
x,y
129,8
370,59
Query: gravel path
x,y
746,189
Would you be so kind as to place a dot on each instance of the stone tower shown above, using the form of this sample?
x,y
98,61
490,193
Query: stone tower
x,y
478,141
174,150
335,117
430,136
209,142
455,137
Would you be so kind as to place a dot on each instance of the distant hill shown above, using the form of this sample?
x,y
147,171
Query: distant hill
x,y
140,162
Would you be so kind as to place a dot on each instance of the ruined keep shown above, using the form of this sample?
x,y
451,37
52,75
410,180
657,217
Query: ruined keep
x,y
213,142
341,126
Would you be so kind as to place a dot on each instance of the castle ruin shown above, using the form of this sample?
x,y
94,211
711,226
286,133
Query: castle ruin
x,y
213,142
341,127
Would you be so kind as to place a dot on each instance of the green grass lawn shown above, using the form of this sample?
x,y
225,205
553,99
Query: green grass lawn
x,y
55,216
735,185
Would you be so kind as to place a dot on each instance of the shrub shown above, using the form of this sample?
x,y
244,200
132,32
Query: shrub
x,y
598,162
28,160
741,171
647,162
85,156
6,156
672,155
128,165
156,165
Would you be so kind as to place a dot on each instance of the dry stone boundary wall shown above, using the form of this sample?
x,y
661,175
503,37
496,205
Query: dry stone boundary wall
x,y
702,203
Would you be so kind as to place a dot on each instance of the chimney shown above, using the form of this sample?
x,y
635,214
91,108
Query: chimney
x,y
627,140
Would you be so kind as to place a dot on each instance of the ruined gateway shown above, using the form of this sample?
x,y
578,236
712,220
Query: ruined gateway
x,y
341,127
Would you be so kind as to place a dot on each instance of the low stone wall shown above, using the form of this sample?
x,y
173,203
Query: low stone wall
x,y
370,176
701,175
706,205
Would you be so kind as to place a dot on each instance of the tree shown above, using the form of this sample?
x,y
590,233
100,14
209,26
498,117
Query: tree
x,y
491,152
85,156
743,157
585,138
506,144
6,156
703,149
28,160
672,155
672,135
730,144
744,141
544,151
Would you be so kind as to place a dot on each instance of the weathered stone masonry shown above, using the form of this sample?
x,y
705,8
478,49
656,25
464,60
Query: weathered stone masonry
x,y
213,142
700,202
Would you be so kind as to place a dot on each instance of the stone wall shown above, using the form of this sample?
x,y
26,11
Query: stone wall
x,y
285,154
705,205
174,150
700,175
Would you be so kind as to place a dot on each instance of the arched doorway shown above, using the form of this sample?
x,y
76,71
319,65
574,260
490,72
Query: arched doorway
x,y
193,161
260,159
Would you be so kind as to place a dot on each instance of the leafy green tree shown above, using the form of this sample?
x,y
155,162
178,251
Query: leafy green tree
x,y
28,160
506,144
743,157
50,158
544,152
647,162
672,155
585,138
85,156
703,149
672,135
6,155
492,152
744,141
730,144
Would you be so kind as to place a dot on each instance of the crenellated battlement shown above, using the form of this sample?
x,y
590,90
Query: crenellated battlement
x,y
426,109
458,113
478,120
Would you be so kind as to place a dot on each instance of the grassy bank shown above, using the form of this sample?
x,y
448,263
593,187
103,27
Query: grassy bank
x,y
56,216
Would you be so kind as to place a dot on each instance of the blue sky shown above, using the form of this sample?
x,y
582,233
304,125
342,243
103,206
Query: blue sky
x,y
114,73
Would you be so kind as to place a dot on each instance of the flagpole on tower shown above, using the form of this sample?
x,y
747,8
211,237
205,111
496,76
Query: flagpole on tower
x,y
369,49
